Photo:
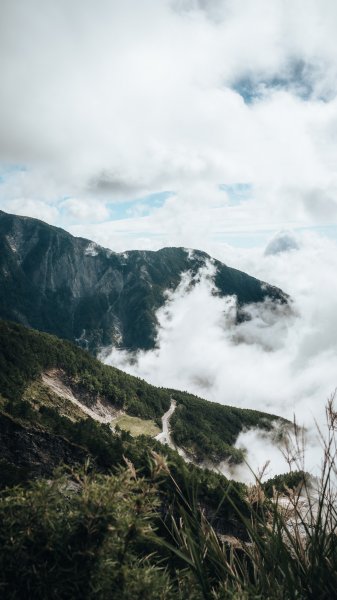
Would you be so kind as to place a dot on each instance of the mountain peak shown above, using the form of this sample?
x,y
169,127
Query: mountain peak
x,y
78,290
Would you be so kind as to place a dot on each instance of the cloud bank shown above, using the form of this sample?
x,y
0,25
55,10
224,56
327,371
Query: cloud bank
x,y
107,101
282,362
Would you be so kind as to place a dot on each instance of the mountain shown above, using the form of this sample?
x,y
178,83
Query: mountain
x,y
47,388
60,406
75,289
57,403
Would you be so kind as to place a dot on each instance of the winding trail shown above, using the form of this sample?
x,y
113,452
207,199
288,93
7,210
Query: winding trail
x,y
165,436
104,412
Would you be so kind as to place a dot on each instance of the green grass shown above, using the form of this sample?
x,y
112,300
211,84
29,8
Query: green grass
x,y
136,426
39,394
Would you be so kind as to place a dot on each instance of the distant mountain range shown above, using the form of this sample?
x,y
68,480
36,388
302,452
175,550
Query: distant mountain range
x,y
77,290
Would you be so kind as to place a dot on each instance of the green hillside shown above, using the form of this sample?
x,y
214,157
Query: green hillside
x,y
203,429
38,434
210,430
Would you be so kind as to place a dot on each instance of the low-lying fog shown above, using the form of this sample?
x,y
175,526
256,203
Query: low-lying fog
x,y
280,361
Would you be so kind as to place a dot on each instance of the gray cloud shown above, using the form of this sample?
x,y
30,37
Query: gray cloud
x,y
111,184
321,204
282,242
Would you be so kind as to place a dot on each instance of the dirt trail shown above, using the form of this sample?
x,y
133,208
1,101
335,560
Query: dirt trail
x,y
165,436
103,412
100,411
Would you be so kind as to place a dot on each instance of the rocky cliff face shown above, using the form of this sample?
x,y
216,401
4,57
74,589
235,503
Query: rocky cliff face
x,y
75,289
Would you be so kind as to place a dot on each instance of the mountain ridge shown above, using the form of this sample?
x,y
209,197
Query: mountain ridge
x,y
73,288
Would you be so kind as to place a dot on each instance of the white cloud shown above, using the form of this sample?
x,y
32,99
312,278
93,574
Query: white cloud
x,y
33,208
85,211
280,362
121,99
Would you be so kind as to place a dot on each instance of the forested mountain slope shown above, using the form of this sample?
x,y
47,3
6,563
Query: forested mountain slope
x,y
204,430
77,290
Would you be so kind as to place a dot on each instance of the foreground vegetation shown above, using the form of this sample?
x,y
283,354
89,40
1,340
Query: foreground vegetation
x,y
88,535
292,547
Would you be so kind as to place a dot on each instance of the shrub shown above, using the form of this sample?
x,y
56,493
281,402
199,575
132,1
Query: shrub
x,y
79,537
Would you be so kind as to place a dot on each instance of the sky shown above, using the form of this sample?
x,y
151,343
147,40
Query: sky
x,y
161,122
195,123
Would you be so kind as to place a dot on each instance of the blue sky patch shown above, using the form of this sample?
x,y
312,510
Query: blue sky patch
x,y
298,77
139,206
237,192
244,239
7,170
